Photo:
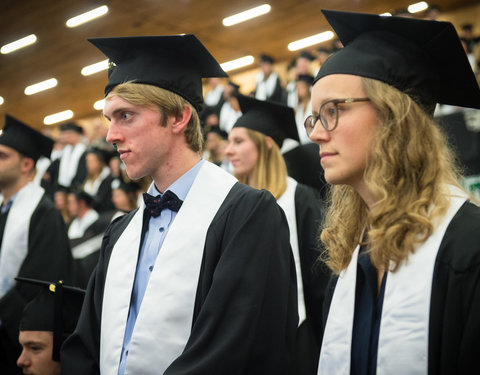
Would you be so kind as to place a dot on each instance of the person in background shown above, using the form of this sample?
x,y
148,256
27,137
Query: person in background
x,y
98,183
304,106
213,146
85,233
401,234
200,278
33,240
46,322
254,151
124,197
72,168
229,111
268,86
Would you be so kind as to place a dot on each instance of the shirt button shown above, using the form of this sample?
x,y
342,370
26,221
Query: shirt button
x,y
161,229
150,268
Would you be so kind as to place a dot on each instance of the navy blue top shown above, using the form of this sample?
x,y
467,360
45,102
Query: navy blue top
x,y
366,321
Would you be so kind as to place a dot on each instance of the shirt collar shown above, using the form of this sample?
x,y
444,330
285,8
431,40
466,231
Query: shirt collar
x,y
182,185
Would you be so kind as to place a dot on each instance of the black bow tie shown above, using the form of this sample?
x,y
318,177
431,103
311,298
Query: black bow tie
x,y
155,205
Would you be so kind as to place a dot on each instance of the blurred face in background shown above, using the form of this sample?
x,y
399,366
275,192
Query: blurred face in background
x,y
241,151
36,357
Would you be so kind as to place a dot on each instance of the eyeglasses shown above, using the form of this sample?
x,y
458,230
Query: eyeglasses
x,y
328,114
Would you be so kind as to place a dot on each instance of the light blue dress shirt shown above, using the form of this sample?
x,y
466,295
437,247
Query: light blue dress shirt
x,y
157,231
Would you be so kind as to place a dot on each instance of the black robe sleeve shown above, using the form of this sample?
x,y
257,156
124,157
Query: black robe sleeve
x,y
315,276
48,258
454,341
245,313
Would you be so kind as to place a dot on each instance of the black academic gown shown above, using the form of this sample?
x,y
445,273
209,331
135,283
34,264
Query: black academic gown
x,y
83,267
247,243
454,331
48,258
315,277
103,197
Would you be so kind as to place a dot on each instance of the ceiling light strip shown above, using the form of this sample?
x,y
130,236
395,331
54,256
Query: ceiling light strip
x,y
247,15
57,117
20,43
417,7
95,68
310,41
237,63
87,16
99,104
41,86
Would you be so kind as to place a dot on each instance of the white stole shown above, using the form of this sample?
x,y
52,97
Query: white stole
x,y
165,318
69,163
287,202
403,337
15,236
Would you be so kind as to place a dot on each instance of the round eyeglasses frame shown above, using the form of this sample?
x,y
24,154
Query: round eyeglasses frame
x,y
327,119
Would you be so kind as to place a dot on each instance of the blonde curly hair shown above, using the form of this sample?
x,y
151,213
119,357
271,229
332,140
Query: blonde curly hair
x,y
407,169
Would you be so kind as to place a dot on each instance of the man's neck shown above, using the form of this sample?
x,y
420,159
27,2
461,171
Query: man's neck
x,y
10,191
174,169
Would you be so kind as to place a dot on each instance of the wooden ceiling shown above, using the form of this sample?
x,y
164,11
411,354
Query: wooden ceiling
x,y
62,52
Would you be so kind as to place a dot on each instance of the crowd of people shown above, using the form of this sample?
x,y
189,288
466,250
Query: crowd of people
x,y
321,229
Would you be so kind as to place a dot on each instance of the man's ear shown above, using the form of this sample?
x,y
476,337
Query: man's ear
x,y
27,165
180,122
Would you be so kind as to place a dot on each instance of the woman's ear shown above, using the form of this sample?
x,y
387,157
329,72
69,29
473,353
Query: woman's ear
x,y
269,142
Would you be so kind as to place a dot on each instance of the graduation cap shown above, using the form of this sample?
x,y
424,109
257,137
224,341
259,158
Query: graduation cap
x,y
306,55
71,127
127,187
406,53
25,139
269,118
56,308
264,58
175,63
307,78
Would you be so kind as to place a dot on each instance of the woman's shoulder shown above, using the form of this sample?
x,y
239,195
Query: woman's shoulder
x,y
460,247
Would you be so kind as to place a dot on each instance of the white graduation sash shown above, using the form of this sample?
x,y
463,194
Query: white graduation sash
x,y
165,318
287,202
15,236
403,337
69,163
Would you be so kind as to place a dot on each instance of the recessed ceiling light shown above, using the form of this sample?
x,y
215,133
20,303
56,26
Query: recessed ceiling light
x,y
1,100
247,15
17,44
99,104
57,117
417,7
87,16
310,41
237,63
41,86
95,68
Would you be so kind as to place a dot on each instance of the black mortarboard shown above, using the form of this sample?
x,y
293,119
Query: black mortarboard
x,y
175,63
56,308
307,78
216,129
269,118
266,58
406,53
103,155
127,187
25,139
71,127
306,55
